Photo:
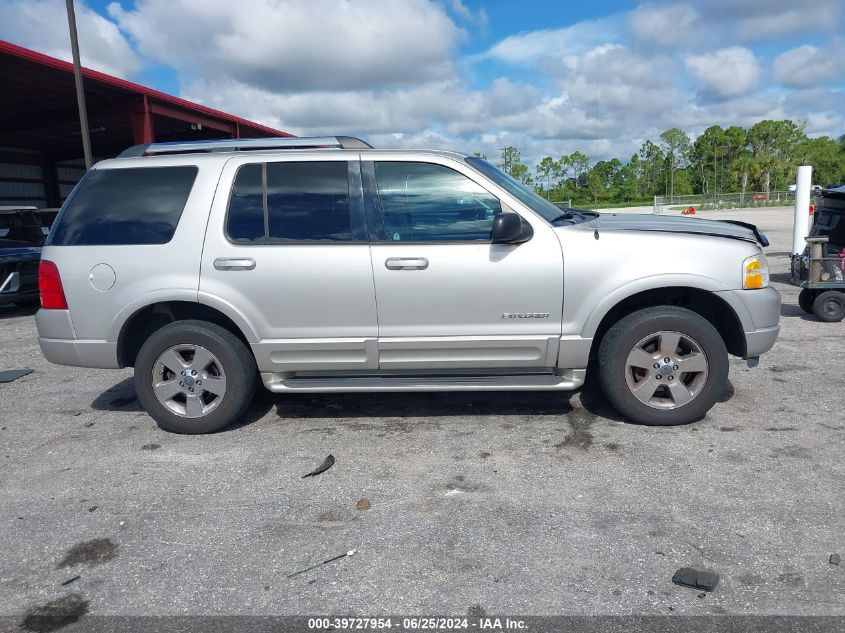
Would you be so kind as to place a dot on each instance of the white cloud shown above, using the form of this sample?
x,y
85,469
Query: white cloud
x,y
396,76
42,25
809,65
662,24
533,46
728,72
297,45
465,13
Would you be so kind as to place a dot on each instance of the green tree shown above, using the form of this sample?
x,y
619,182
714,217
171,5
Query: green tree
x,y
511,157
521,173
744,164
774,145
480,155
651,160
512,164
545,170
677,145
827,158
579,162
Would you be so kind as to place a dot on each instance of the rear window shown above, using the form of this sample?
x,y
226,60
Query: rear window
x,y
138,205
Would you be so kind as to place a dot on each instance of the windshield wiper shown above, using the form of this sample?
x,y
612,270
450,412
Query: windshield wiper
x,y
572,214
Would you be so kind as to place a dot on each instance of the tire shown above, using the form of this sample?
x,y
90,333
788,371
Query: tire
x,y
190,405
673,399
806,298
829,306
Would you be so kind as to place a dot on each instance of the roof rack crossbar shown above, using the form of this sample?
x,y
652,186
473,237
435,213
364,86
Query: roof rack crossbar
x,y
246,144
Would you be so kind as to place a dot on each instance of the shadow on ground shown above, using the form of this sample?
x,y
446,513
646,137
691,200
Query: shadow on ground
x,y
121,397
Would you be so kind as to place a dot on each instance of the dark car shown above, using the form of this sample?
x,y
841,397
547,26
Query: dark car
x,y
22,233
19,272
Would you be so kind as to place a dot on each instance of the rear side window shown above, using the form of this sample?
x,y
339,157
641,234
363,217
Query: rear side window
x,y
245,222
290,202
138,205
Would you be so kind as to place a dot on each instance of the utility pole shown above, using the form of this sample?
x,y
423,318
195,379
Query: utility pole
x,y
80,91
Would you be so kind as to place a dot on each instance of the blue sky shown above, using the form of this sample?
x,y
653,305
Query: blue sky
x,y
468,74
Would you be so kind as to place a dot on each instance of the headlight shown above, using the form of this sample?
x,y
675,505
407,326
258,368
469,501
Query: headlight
x,y
755,272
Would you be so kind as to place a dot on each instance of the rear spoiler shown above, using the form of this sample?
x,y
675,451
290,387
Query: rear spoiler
x,y
762,240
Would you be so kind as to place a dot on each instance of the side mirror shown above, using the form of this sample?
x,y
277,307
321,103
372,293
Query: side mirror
x,y
510,228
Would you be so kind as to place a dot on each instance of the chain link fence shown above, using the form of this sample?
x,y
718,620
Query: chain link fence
x,y
711,202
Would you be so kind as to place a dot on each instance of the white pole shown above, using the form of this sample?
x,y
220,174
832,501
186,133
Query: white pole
x,y
803,182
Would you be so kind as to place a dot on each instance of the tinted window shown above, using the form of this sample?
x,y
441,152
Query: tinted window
x,y
301,202
308,201
830,224
426,202
139,205
245,221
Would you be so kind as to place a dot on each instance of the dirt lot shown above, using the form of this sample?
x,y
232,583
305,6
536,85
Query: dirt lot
x,y
506,503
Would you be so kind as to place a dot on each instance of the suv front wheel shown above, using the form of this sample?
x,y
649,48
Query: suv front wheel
x,y
663,365
194,377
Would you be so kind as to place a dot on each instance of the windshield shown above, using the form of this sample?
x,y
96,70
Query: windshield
x,y
524,194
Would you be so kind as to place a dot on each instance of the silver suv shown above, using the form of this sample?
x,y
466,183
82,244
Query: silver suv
x,y
323,265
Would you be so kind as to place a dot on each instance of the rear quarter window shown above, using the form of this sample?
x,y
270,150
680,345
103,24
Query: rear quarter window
x,y
137,205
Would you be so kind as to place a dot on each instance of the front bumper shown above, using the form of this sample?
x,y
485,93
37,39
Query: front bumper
x,y
759,314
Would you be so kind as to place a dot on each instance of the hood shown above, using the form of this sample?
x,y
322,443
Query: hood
x,y
731,229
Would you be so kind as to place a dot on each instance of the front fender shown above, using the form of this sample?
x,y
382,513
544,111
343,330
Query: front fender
x,y
610,299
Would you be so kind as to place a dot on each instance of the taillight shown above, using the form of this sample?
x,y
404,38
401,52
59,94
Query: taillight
x,y
50,285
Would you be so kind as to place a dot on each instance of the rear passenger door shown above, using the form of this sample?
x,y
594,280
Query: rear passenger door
x,y
287,247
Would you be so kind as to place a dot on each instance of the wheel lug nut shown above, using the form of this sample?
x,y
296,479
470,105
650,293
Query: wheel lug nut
x,y
183,373
199,382
659,377
666,360
194,372
671,378
191,389
657,365
675,367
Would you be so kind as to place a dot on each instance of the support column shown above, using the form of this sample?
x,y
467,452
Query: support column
x,y
801,227
142,121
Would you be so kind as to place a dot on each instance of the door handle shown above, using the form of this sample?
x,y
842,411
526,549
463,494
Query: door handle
x,y
234,263
406,263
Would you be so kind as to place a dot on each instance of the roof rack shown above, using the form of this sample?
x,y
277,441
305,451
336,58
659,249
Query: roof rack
x,y
245,144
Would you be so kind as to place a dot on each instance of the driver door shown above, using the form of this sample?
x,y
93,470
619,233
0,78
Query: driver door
x,y
447,297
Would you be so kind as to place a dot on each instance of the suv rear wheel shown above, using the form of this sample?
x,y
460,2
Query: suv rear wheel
x,y
194,377
663,365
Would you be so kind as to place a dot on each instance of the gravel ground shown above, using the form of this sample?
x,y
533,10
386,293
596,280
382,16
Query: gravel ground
x,y
499,503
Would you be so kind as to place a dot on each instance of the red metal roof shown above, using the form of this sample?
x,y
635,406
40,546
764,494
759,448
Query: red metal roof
x,y
95,76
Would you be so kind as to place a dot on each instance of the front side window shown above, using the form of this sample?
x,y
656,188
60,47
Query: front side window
x,y
290,201
137,205
425,202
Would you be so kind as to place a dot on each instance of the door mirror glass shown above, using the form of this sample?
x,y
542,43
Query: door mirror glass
x,y
510,228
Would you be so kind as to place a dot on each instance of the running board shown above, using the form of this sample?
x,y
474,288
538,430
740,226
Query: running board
x,y
567,381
